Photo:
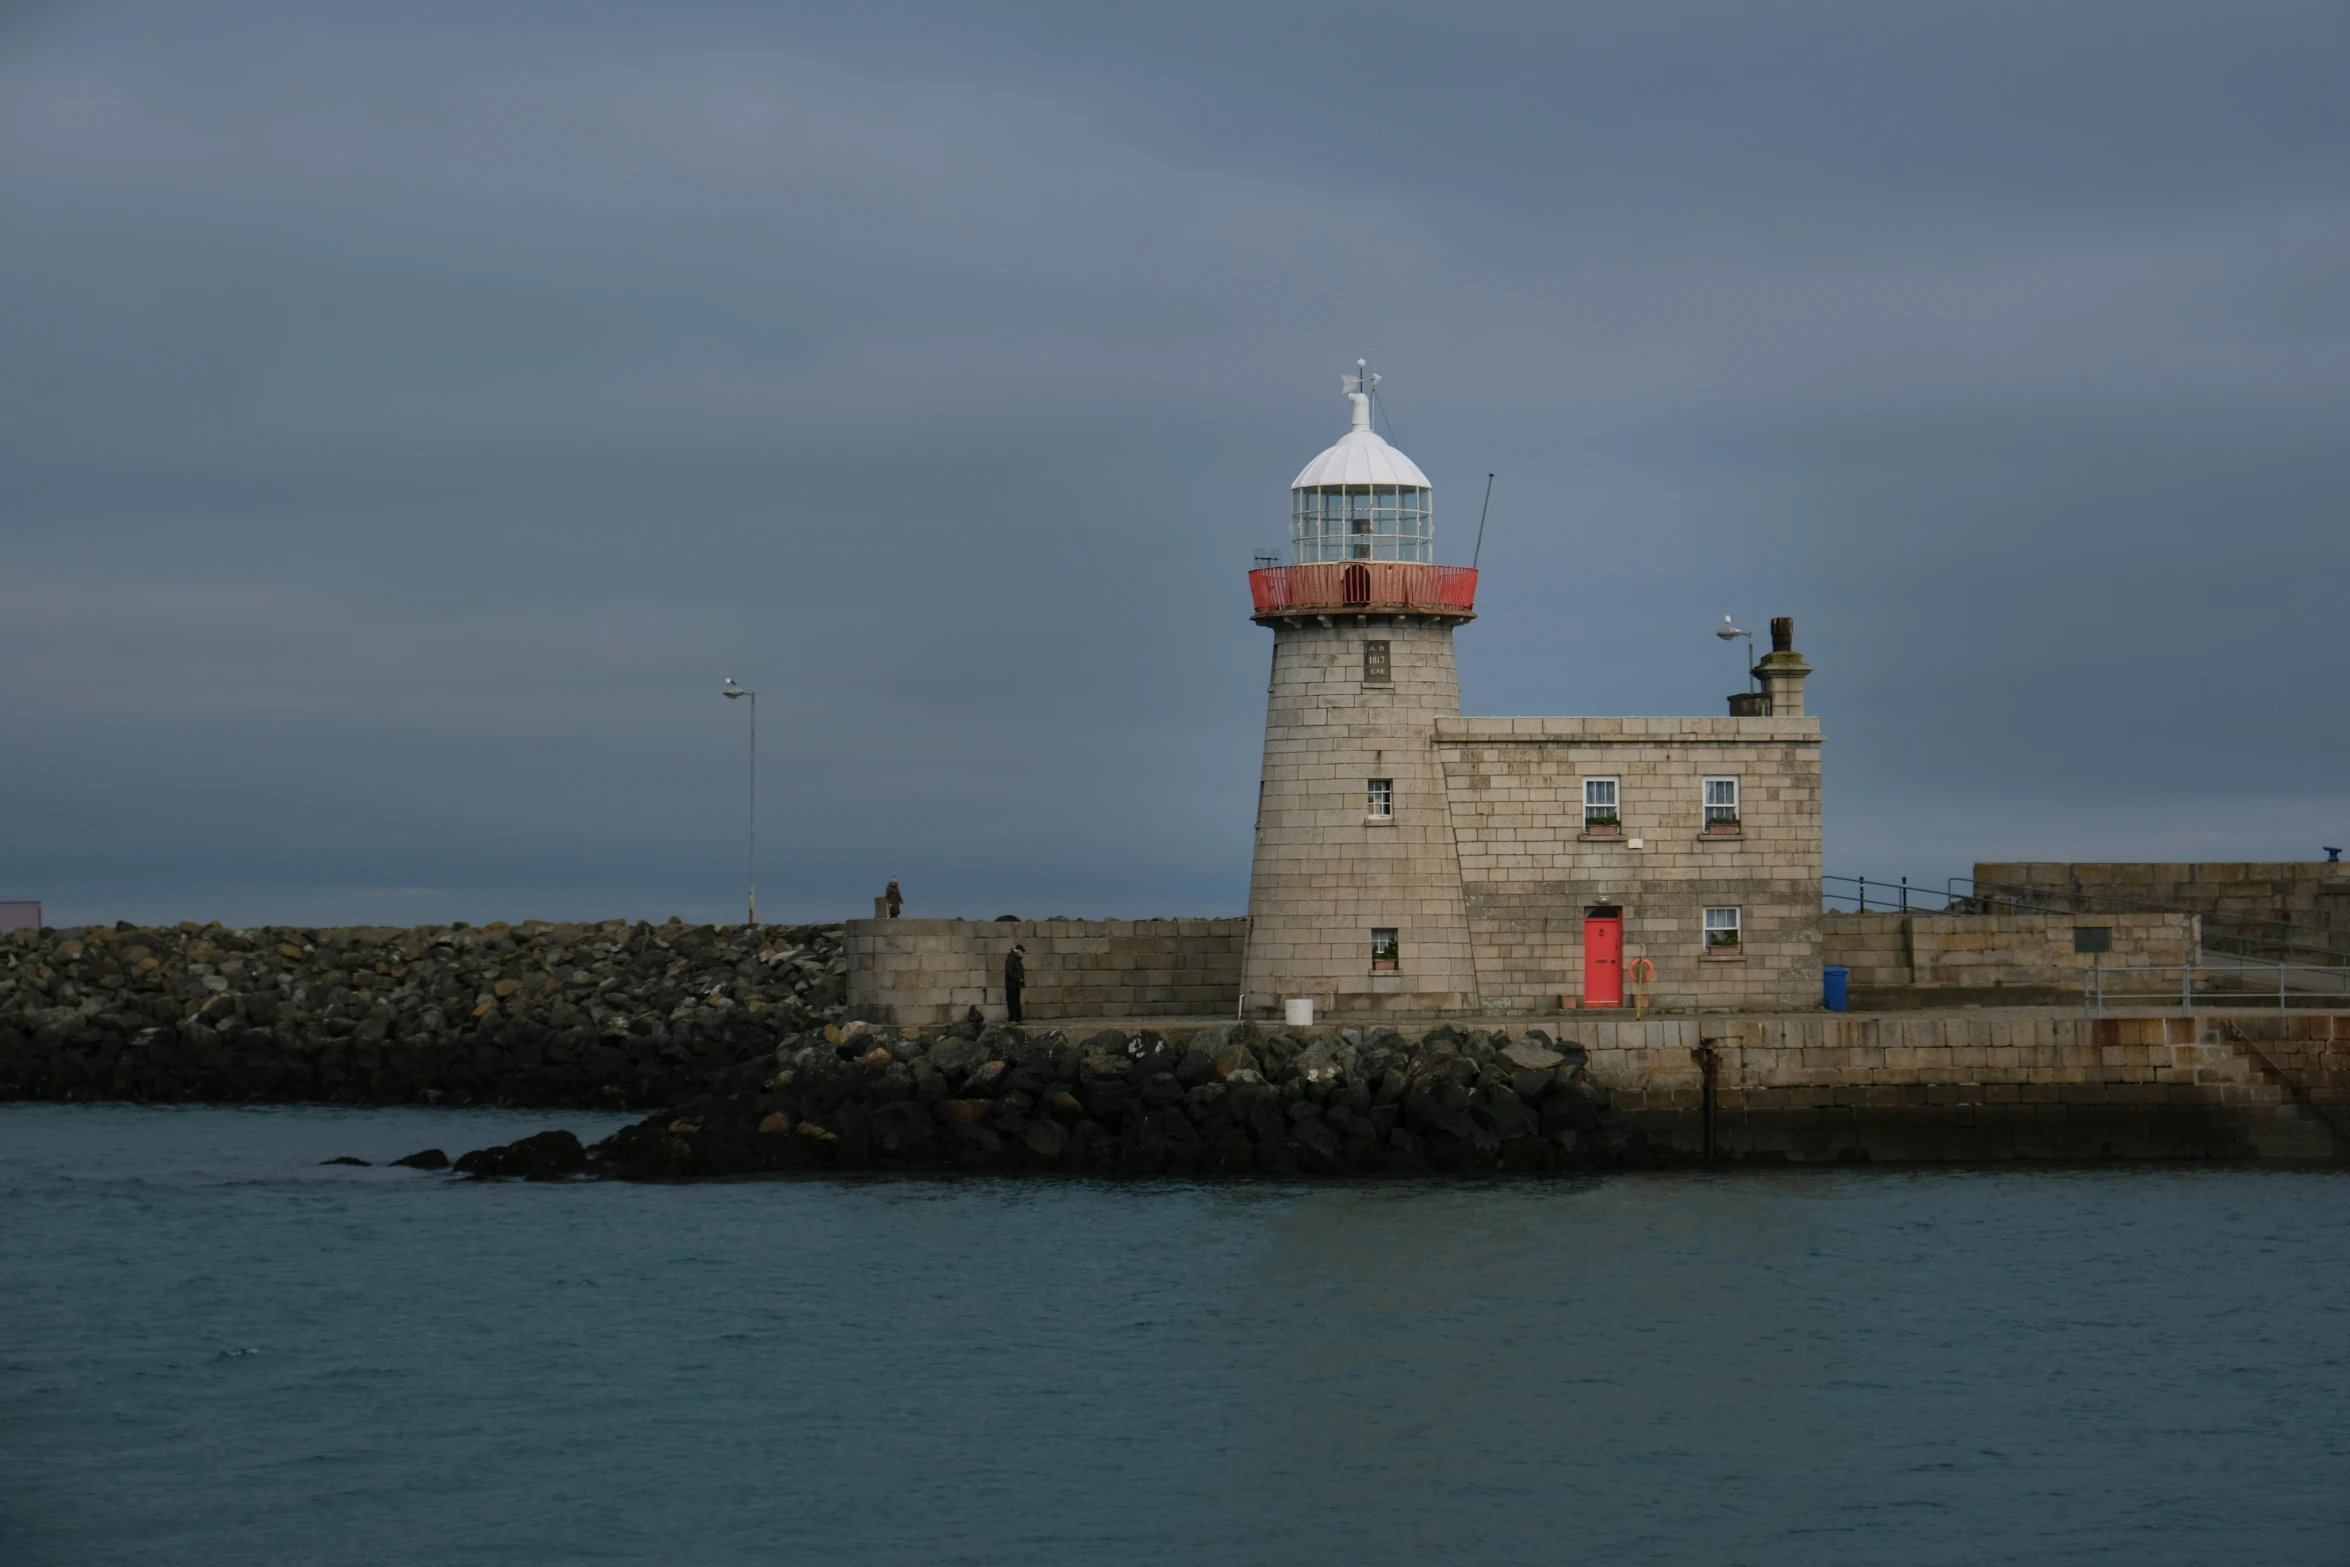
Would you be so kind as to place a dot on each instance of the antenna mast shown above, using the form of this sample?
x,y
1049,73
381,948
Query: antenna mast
x,y
1479,552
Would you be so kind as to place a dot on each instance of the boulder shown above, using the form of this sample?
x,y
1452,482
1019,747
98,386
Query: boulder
x,y
547,1156
1531,1083
1318,1063
1151,1056
955,1058
1236,1057
1533,1057
895,1128
425,1159
346,1159
1316,1136
1507,1121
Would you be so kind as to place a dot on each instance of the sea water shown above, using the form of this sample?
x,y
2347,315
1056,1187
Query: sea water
x,y
215,1349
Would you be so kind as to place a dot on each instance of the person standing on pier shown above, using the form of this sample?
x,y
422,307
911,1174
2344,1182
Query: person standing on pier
x,y
892,899
1015,974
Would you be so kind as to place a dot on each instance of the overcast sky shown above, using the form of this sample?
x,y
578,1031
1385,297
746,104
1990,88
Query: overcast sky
x,y
410,413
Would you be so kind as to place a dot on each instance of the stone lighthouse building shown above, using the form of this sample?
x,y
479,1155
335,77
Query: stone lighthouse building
x,y
1356,868
1412,861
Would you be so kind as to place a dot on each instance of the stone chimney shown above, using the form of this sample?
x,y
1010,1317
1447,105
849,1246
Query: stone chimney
x,y
1782,670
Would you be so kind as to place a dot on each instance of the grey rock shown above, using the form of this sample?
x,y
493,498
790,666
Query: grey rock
x,y
1531,1083
1315,1135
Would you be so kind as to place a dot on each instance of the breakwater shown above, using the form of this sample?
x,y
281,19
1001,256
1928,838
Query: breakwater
x,y
741,1040
1236,1098
1227,1099
610,1015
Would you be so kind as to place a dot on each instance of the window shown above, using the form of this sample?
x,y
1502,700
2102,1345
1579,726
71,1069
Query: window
x,y
1361,522
1721,802
1721,930
1377,670
1599,804
1383,951
1382,797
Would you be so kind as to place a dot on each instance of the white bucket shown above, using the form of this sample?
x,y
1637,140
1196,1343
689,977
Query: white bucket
x,y
1298,1012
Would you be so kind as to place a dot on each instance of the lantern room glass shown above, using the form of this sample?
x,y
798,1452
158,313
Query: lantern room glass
x,y
1337,522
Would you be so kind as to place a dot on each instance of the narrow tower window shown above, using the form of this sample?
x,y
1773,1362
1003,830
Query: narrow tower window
x,y
1375,664
1385,952
1382,798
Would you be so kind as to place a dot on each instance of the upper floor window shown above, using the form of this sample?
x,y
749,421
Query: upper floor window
x,y
1382,797
1599,804
1386,952
1721,801
1721,930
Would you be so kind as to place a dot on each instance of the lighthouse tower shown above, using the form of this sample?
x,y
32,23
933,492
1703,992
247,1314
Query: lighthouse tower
x,y
1355,895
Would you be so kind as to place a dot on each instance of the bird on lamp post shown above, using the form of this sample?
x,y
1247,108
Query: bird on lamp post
x,y
751,856
1729,632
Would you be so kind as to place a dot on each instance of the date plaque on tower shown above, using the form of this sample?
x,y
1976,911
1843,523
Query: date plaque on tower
x,y
1375,667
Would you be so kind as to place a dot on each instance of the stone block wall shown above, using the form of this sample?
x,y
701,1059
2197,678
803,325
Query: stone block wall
x,y
1326,872
1529,872
1974,1088
1941,960
929,972
2293,902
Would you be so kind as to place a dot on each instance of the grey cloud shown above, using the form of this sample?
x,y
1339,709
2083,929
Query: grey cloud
x,y
407,414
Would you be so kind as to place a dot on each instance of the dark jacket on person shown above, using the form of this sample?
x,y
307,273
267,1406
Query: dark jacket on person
x,y
1015,971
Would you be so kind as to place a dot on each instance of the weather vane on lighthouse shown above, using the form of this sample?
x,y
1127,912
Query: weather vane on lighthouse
x,y
1361,381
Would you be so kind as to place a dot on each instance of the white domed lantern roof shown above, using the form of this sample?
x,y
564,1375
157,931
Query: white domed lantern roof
x,y
1361,456
1362,499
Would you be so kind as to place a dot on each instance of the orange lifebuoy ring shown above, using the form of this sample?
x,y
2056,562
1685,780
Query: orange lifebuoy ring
x,y
1642,971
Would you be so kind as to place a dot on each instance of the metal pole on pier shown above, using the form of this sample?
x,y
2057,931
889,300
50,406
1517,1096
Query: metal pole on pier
x,y
751,853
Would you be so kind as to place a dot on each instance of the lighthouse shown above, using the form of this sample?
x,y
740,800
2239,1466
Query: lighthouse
x,y
1355,896
1411,862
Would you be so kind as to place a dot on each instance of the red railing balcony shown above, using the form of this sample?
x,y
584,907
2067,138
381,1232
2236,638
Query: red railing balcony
x,y
1378,585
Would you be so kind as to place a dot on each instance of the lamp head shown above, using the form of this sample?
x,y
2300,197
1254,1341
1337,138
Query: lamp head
x,y
731,690
1729,632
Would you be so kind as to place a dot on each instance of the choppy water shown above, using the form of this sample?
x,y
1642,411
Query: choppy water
x,y
214,1350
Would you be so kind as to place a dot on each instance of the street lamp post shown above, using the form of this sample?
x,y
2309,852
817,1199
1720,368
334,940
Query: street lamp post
x,y
1729,632
751,856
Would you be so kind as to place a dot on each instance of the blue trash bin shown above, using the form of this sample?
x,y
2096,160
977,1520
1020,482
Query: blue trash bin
x,y
1833,995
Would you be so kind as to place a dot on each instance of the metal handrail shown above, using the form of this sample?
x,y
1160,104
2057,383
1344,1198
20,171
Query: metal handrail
x,y
1893,897
1364,585
2095,996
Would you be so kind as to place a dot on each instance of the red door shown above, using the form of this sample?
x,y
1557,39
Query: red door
x,y
1603,959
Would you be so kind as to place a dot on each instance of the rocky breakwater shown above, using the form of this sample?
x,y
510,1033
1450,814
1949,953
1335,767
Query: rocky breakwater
x,y
603,1015
1227,1100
